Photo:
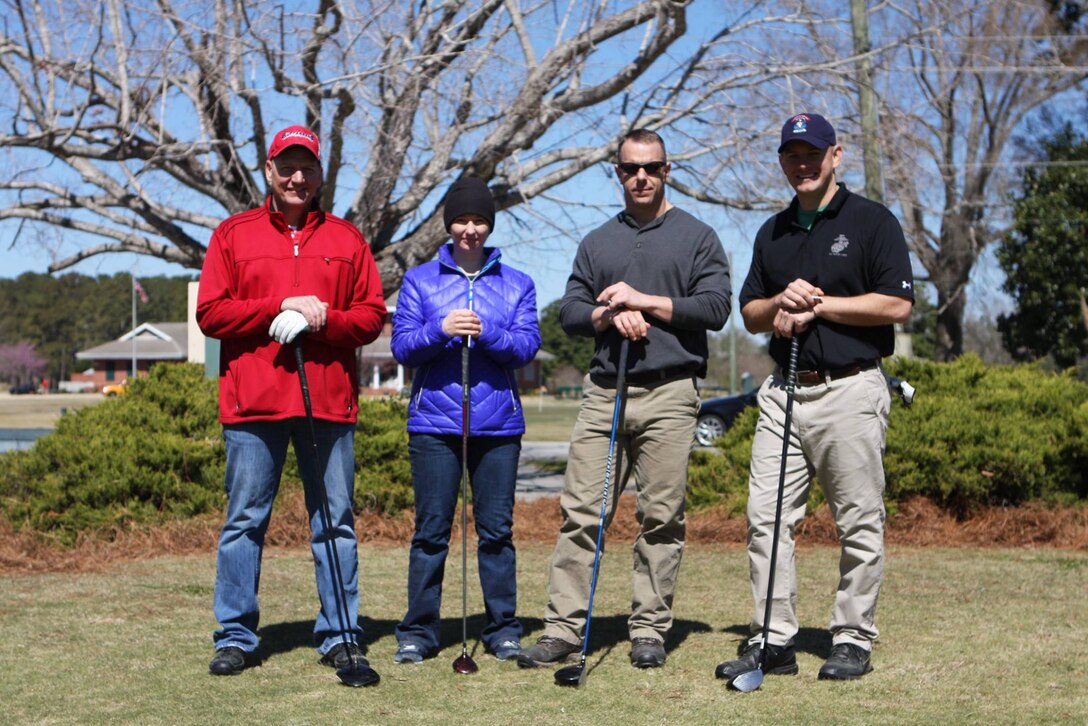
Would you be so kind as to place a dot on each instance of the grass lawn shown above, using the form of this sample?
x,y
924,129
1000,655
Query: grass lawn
x,y
34,411
968,636
549,419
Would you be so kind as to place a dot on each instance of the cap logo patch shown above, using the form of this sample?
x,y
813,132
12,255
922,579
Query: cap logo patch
x,y
299,134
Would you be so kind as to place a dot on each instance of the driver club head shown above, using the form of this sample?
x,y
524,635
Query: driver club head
x,y
465,665
573,676
358,675
746,682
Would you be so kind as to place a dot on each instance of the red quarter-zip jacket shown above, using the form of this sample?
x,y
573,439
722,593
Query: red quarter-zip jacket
x,y
254,262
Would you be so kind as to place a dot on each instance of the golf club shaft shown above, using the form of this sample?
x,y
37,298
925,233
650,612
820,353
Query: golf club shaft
x,y
621,370
326,513
791,381
465,418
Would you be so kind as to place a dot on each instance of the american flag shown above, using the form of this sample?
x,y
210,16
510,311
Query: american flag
x,y
140,291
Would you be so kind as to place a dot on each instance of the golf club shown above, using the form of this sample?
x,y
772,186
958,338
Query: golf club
x,y
464,663
749,681
355,674
575,675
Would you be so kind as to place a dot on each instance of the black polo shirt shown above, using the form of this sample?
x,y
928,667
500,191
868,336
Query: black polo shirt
x,y
855,246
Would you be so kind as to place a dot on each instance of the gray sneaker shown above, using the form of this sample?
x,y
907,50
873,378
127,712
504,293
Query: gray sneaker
x,y
507,650
408,652
547,651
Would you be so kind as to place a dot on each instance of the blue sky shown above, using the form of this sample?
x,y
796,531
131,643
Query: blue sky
x,y
587,200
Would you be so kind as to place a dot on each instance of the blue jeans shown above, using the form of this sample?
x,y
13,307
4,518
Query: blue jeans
x,y
436,479
255,455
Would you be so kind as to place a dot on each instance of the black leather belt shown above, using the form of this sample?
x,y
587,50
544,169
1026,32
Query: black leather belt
x,y
649,378
812,377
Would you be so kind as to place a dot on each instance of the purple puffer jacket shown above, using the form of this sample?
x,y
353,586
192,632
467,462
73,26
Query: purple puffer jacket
x,y
505,300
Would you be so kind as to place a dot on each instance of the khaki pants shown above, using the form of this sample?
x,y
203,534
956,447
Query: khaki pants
x,y
838,436
654,442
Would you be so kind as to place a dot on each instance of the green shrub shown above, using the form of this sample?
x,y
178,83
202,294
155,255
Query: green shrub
x,y
988,435
721,478
383,479
975,435
156,453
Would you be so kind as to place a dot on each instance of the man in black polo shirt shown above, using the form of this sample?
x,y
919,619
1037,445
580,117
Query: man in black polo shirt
x,y
833,269
657,276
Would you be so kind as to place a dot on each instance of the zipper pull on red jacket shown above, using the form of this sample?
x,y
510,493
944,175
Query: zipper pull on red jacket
x,y
296,249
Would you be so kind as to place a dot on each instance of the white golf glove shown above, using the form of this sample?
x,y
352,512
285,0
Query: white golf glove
x,y
287,326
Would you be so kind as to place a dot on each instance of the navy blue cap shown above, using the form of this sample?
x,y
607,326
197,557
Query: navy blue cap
x,y
811,128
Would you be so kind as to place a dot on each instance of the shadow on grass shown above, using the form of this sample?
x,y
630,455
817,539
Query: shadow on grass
x,y
280,638
606,632
814,641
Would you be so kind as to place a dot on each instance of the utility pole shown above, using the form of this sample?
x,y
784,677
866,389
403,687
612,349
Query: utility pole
x,y
870,145
732,343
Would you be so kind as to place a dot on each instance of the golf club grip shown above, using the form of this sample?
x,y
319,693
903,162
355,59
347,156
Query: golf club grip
x,y
791,382
301,363
621,365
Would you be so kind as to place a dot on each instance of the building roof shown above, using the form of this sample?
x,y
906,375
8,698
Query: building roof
x,y
153,341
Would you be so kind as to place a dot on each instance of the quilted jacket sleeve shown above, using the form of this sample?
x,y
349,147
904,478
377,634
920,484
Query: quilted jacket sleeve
x,y
416,341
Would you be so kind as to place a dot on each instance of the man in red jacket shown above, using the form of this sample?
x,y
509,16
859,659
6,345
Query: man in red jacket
x,y
271,274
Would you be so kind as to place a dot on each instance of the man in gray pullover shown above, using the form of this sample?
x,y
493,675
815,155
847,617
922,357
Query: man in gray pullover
x,y
655,275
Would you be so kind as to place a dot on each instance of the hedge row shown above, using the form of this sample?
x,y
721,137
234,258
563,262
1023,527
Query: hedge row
x,y
975,435
157,453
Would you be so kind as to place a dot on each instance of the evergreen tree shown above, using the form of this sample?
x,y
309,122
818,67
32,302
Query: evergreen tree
x,y
1045,256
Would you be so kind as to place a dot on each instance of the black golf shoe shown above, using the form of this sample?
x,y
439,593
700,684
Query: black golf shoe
x,y
343,655
846,662
781,661
547,651
647,653
229,661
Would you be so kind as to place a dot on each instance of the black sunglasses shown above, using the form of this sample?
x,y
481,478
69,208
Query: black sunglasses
x,y
651,167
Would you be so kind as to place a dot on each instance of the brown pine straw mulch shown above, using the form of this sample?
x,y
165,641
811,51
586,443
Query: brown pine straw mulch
x,y
918,523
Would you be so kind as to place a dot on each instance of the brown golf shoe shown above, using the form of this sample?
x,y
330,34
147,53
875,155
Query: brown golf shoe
x,y
547,651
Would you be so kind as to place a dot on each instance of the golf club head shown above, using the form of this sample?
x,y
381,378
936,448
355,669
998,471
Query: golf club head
x,y
573,676
358,675
746,682
465,665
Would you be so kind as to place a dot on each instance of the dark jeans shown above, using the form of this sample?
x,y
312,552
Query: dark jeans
x,y
436,478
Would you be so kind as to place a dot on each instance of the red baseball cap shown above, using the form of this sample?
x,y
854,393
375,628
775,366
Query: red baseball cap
x,y
295,136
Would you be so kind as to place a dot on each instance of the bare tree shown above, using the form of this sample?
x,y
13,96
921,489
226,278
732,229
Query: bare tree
x,y
140,125
955,81
980,70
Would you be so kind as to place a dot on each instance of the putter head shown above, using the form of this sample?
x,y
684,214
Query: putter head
x,y
746,682
465,665
358,675
572,676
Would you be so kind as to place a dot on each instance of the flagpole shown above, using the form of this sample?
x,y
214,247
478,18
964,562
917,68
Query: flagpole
x,y
133,281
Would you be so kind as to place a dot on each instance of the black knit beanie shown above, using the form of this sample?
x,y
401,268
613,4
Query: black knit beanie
x,y
469,195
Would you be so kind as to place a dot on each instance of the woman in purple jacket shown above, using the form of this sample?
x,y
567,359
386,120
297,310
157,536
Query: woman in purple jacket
x,y
466,293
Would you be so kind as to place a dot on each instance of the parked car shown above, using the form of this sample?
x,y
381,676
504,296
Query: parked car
x,y
716,415
21,388
115,389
